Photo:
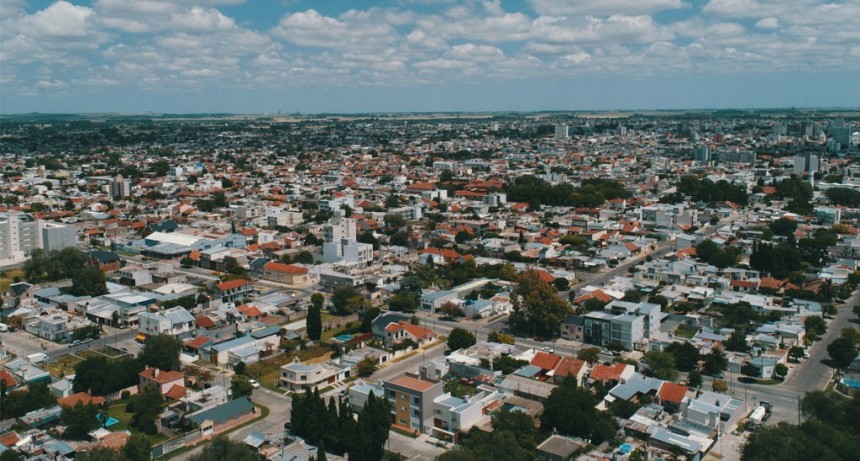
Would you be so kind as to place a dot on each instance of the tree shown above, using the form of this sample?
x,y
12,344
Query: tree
x,y
715,361
661,365
815,326
404,301
367,318
321,456
842,351
222,449
450,310
719,385
88,281
162,352
686,355
749,369
783,226
460,339
147,407
780,370
137,448
342,299
93,454
20,402
538,310
737,342
373,425
365,367
80,420
314,320
240,387
496,337
633,296
239,368
694,379
796,352
589,354
571,411
100,376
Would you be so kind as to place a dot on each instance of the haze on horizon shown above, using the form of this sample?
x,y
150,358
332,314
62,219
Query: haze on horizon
x,y
237,56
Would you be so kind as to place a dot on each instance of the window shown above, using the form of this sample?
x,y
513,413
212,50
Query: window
x,y
416,401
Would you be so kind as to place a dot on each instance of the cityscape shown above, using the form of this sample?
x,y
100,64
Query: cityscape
x,y
429,230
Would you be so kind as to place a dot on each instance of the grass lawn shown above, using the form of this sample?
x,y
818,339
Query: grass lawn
x,y
8,277
459,389
685,331
62,366
124,418
266,371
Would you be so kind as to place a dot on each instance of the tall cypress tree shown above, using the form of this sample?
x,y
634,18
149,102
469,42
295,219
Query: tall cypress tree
x,y
314,322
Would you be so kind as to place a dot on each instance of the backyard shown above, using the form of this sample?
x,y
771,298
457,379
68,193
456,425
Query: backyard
x,y
117,411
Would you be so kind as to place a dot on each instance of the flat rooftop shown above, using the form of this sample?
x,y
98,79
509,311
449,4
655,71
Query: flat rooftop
x,y
412,383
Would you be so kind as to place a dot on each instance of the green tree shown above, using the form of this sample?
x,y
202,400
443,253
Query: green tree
x,y
138,448
365,367
162,352
460,338
147,407
694,379
737,342
314,320
239,368
780,370
815,326
537,308
842,351
222,449
80,420
796,352
749,369
661,365
367,318
633,296
783,226
686,355
93,454
240,387
589,354
20,402
88,281
571,411
715,361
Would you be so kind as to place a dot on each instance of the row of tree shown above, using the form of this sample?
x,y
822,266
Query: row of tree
x,y
335,428
593,192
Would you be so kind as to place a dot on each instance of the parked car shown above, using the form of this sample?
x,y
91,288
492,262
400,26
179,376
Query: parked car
x,y
719,375
254,383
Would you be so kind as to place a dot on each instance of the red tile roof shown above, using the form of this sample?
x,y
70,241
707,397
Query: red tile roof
x,y
285,268
81,397
197,342
545,361
673,393
608,372
7,378
250,311
204,322
568,366
176,392
9,439
161,376
232,284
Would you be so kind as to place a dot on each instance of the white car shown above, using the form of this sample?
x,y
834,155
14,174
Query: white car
x,y
254,383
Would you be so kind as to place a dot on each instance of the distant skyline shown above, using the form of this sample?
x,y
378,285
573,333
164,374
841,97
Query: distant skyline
x,y
265,56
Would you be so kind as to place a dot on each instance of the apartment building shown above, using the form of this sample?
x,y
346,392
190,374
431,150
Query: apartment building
x,y
412,397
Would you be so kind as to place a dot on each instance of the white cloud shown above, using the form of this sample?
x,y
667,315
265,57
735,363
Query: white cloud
x,y
603,7
767,23
309,28
61,19
201,20
476,53
614,29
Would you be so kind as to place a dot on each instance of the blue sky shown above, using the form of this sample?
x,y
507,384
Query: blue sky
x,y
265,56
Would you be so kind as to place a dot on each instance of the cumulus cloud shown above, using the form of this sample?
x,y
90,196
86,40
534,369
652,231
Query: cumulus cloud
x,y
603,7
767,23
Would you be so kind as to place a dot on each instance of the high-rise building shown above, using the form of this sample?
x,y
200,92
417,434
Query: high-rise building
x,y
702,154
561,132
20,234
806,163
120,187
340,242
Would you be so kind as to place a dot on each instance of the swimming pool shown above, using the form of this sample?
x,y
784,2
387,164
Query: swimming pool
x,y
110,421
344,337
853,383
625,448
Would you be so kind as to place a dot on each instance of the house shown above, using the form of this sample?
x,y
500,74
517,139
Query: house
x,y
610,375
107,261
526,388
569,367
455,415
297,376
176,322
285,273
164,381
83,398
395,333
382,321
233,290
559,448
412,397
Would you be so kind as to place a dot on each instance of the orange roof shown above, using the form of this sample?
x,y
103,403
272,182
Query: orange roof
x,y
285,268
544,275
232,284
608,372
7,378
412,383
9,439
204,322
744,283
250,311
671,392
545,361
772,283
161,376
568,366
81,397
199,341
418,332
176,392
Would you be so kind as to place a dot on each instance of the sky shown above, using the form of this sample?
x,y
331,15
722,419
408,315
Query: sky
x,y
270,56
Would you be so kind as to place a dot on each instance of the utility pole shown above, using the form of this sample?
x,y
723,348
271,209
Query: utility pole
x,y
798,410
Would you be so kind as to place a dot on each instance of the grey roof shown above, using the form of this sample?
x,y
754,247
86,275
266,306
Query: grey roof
x,y
528,371
238,342
635,385
662,435
265,332
560,446
224,412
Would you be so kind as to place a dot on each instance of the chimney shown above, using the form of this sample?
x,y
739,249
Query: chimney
x,y
155,372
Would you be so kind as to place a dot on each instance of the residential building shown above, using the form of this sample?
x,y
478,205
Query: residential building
x,y
412,397
175,321
163,380
285,273
297,376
